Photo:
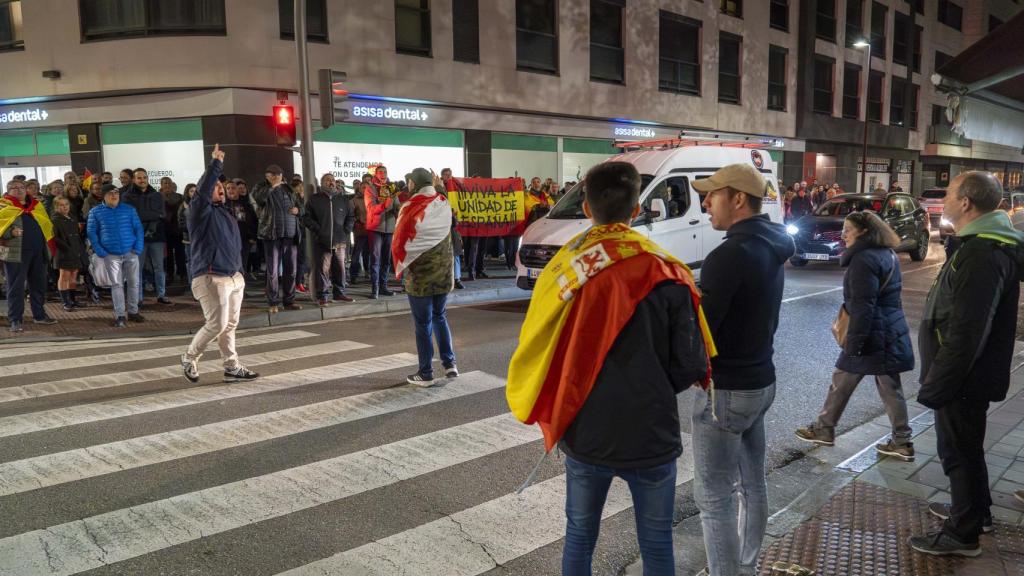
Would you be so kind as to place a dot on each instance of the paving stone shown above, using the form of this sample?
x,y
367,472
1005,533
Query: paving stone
x,y
901,468
1014,476
1007,487
878,478
941,496
1007,515
1001,449
932,475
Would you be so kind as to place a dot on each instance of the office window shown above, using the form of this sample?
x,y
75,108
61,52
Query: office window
x,y
466,34
729,68
825,27
731,7
879,42
941,59
316,20
679,53
824,84
897,101
918,6
939,115
10,26
779,15
993,22
951,14
777,78
918,34
851,91
103,19
900,45
854,21
875,80
412,27
536,36
915,97
607,58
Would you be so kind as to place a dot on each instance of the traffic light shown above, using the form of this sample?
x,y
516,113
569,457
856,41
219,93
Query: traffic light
x,y
332,97
284,124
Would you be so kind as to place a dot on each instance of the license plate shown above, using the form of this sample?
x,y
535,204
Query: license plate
x,y
533,273
816,256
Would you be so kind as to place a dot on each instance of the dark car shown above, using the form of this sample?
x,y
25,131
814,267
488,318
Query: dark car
x,y
818,235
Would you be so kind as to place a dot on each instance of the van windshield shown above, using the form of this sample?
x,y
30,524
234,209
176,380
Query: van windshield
x,y
570,207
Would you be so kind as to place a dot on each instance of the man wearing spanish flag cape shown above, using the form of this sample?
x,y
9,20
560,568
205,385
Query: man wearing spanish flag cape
x,y
614,331
26,246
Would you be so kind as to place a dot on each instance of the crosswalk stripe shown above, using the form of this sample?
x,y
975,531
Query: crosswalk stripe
x,y
73,465
478,539
100,381
131,532
110,409
12,350
102,359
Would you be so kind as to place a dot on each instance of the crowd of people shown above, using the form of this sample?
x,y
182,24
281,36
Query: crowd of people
x,y
125,228
801,198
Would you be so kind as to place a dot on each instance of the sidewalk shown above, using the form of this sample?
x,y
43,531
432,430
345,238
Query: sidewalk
x,y
873,505
185,316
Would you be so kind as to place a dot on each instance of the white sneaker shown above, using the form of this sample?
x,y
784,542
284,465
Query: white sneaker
x,y
451,371
190,369
417,380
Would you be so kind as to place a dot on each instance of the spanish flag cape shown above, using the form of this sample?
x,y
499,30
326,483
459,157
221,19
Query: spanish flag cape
x,y
11,209
582,300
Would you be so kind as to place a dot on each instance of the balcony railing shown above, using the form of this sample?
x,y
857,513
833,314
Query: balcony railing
x,y
945,135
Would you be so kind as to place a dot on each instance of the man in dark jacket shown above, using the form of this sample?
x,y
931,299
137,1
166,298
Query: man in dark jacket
x,y
801,204
248,222
149,204
966,344
329,218
279,230
175,249
742,281
215,269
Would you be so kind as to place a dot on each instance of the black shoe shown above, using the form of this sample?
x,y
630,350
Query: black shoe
x,y
44,320
136,317
482,274
163,300
386,292
942,544
96,297
240,373
373,296
120,322
421,381
16,327
942,511
459,285
470,278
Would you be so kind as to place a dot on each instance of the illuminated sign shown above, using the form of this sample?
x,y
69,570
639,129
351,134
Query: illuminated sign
x,y
635,132
19,116
385,112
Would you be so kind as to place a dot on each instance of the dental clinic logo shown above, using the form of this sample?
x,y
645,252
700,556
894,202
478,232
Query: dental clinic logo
x,y
390,113
634,132
19,116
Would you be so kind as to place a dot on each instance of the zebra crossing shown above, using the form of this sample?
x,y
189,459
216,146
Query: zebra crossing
x,y
329,457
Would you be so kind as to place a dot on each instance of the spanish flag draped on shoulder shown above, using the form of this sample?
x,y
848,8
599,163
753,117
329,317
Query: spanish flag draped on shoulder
x,y
11,209
423,222
584,297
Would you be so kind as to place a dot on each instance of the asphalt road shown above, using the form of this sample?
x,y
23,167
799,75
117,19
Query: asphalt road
x,y
110,463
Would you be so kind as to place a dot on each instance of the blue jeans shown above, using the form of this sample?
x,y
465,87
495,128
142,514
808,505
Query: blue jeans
x,y
654,493
282,259
458,268
152,257
380,260
428,312
729,468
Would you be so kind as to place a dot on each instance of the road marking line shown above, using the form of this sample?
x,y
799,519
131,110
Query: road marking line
x,y
127,533
476,540
102,359
108,410
73,465
100,381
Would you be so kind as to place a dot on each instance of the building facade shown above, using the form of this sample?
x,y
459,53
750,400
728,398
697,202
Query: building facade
x,y
492,88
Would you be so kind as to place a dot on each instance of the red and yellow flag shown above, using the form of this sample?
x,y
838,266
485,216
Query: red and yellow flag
x,y
584,297
11,209
86,181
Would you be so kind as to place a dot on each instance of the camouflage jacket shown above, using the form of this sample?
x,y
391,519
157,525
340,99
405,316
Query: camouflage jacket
x,y
433,273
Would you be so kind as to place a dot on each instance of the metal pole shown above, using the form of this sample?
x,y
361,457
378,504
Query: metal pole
x,y
308,170
867,91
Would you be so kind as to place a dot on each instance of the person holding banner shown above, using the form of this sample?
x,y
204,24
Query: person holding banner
x,y
422,252
613,333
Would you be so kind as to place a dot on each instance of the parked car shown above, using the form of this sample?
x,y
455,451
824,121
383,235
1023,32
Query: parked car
x,y
818,235
933,200
672,214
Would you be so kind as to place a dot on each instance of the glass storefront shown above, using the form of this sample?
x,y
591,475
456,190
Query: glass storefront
x,y
42,154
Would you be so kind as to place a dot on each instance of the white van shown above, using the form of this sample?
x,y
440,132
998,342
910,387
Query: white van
x,y
671,213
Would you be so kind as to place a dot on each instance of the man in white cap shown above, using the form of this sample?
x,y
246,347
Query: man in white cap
x,y
742,281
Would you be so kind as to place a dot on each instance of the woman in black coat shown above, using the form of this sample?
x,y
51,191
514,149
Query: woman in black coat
x,y
878,338
70,250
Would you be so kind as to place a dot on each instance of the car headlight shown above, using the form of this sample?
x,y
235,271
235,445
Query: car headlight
x,y
792,230
944,222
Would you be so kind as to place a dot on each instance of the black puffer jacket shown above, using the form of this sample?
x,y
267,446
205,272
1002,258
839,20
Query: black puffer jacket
x,y
878,339
150,205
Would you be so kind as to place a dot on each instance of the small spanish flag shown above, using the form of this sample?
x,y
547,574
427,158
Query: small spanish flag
x,y
87,180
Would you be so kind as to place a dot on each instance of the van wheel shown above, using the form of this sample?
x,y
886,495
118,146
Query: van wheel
x,y
922,249
798,262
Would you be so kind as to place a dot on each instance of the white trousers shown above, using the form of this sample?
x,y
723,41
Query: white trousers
x,y
221,298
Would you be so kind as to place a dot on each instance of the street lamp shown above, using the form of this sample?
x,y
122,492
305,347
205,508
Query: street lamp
x,y
865,44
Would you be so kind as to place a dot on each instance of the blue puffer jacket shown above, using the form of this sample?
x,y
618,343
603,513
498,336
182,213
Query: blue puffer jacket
x,y
213,230
116,231
878,339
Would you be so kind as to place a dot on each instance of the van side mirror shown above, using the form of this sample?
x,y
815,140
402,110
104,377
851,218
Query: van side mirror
x,y
657,211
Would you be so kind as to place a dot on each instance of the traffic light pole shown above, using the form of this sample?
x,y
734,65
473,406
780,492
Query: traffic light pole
x,y
309,178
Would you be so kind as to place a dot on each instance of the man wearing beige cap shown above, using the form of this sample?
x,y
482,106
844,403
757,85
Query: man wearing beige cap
x,y
742,282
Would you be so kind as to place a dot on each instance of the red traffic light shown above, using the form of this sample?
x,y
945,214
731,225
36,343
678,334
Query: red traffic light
x,y
284,115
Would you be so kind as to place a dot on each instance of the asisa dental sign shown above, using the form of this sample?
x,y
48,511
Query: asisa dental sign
x,y
19,116
400,113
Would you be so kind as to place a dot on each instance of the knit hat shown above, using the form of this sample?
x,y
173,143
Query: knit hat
x,y
422,177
